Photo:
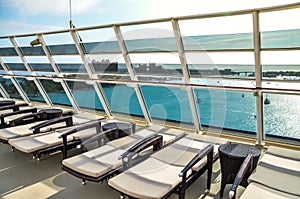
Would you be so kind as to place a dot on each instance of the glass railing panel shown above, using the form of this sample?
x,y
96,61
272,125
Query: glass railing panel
x,y
61,44
37,50
221,64
101,47
67,61
5,42
225,109
43,67
16,66
85,95
14,63
66,49
8,51
167,103
6,48
218,33
31,90
58,38
122,99
281,116
96,35
281,65
100,40
153,37
39,63
27,47
55,92
10,88
156,64
108,64
278,30
72,68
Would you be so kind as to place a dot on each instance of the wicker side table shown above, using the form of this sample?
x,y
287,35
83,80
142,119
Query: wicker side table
x,y
122,129
231,158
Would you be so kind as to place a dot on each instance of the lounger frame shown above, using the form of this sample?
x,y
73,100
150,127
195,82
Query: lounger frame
x,y
188,180
155,140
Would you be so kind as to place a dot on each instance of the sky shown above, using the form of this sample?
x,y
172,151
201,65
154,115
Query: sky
x,y
31,16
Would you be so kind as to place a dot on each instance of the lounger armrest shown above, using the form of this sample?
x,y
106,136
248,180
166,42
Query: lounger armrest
x,y
19,120
80,128
64,136
30,110
14,107
67,119
2,116
240,175
208,150
154,140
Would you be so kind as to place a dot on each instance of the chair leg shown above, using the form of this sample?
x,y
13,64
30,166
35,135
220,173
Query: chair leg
x,y
209,176
222,189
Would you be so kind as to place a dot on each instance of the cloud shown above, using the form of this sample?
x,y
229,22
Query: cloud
x,y
51,7
14,28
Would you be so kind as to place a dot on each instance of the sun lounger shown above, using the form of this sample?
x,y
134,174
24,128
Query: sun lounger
x,y
112,158
52,115
277,176
85,126
7,117
170,170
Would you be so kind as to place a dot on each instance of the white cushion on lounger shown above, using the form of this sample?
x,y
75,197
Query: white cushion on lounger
x,y
278,172
36,142
16,131
255,190
159,174
96,162
149,179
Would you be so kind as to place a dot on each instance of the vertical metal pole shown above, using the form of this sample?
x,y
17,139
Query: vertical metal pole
x,y
258,79
132,73
98,88
29,69
191,97
56,70
3,92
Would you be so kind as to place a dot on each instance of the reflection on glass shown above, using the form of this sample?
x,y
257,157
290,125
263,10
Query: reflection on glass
x,y
217,33
167,103
55,92
122,99
16,66
226,109
283,65
31,90
221,64
281,116
10,88
85,95
158,64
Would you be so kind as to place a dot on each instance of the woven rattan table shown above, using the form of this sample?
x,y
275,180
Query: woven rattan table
x,y
231,158
122,129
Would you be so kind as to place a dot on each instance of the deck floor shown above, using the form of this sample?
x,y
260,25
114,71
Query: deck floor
x,y
24,177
